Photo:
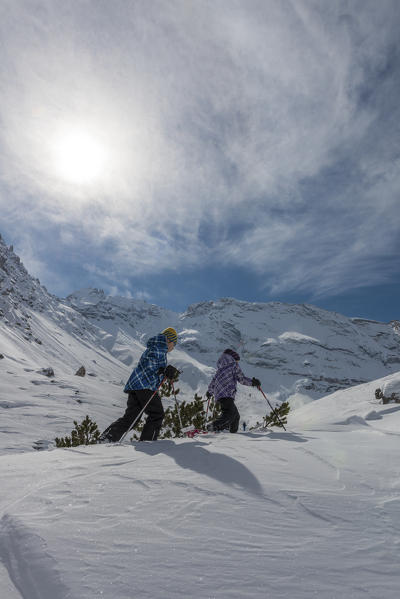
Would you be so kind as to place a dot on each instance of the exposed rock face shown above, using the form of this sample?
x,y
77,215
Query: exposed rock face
x,y
23,300
17,288
396,326
47,372
81,371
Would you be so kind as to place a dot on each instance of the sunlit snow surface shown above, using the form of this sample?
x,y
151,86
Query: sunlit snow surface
x,y
313,512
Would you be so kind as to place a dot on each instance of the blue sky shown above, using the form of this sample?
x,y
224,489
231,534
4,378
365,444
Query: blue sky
x,y
182,151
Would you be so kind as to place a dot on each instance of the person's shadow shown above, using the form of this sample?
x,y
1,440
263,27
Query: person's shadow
x,y
194,456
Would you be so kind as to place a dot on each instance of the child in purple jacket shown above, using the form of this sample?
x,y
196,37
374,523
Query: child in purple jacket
x,y
223,387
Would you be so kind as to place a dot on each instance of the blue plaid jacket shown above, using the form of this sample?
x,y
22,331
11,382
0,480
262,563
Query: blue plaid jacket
x,y
145,375
229,373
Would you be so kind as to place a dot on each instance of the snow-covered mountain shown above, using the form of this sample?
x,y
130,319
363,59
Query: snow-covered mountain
x,y
295,350
25,303
299,352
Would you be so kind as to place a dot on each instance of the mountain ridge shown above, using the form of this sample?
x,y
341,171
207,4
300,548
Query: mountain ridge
x,y
299,351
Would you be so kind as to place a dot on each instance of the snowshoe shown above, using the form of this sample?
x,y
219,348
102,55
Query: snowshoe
x,y
195,432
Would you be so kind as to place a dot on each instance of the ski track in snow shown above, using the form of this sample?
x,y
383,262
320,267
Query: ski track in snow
x,y
30,567
256,515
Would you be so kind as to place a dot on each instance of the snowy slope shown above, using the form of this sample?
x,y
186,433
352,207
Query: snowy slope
x,y
311,512
293,349
355,406
299,353
33,405
38,331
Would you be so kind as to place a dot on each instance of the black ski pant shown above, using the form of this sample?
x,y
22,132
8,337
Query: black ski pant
x,y
136,402
230,416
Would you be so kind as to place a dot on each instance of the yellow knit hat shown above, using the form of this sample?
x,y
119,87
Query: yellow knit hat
x,y
170,334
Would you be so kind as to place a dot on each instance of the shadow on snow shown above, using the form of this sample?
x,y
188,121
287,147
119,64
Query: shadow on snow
x,y
194,456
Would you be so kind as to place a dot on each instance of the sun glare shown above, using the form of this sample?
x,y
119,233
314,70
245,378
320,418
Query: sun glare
x,y
79,157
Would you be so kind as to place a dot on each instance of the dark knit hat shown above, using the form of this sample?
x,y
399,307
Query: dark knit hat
x,y
232,353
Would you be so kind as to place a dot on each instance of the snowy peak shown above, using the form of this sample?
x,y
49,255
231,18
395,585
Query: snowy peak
x,y
17,287
27,308
21,295
86,297
95,305
295,350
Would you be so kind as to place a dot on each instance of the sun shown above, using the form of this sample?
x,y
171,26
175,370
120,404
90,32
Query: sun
x,y
79,158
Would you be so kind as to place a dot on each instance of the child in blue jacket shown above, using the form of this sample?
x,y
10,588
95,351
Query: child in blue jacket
x,y
142,385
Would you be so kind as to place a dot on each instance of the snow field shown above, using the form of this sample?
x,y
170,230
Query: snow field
x,y
297,514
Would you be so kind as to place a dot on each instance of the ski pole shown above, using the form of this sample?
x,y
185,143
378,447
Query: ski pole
x,y
276,415
185,429
177,405
141,412
208,405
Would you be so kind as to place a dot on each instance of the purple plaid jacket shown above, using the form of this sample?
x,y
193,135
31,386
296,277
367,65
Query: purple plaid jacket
x,y
224,381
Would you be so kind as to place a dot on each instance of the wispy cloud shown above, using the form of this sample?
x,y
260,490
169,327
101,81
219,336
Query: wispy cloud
x,y
262,134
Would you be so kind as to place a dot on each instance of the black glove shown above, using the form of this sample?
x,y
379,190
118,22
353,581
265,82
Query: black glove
x,y
171,373
209,395
255,382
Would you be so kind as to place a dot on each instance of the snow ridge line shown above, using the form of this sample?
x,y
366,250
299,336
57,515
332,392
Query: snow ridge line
x,y
32,570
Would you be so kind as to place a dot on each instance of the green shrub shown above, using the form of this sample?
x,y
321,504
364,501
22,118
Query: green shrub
x,y
277,417
85,433
189,413
394,398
